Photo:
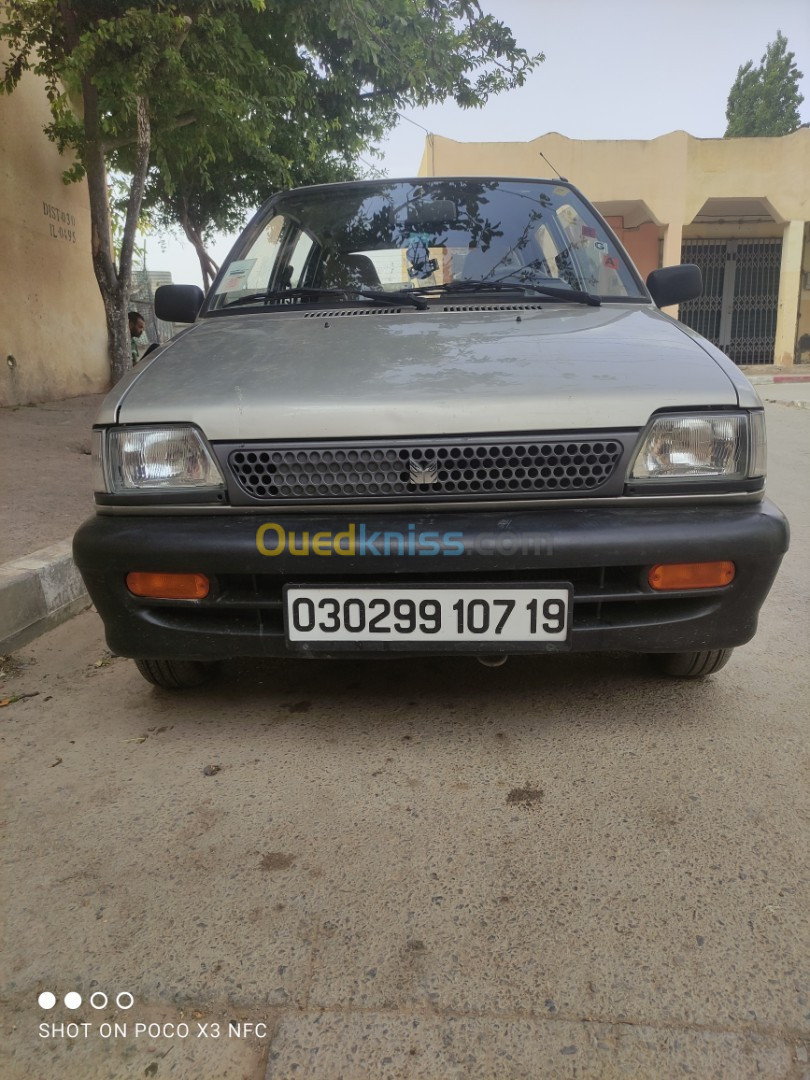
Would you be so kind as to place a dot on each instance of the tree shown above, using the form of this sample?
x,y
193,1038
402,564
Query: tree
x,y
356,63
209,103
765,100
120,75
211,188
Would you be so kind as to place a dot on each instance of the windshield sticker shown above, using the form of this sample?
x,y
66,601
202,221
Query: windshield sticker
x,y
588,231
610,262
238,273
600,245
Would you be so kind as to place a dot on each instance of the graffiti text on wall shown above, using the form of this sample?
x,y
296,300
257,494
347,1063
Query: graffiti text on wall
x,y
62,225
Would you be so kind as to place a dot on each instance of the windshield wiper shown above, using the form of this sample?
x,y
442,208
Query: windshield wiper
x,y
270,296
503,284
391,297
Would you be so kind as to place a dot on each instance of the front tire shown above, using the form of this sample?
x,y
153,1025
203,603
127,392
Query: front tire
x,y
175,674
690,665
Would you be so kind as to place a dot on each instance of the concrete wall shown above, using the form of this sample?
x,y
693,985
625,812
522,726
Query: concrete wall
x,y
53,341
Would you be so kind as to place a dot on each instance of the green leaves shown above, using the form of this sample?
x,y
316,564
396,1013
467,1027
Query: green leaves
x,y
240,97
335,70
305,86
765,100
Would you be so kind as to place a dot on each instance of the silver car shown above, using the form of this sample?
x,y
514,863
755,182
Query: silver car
x,y
431,415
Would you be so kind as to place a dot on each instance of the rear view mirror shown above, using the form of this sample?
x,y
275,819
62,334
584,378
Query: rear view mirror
x,y
438,213
178,303
675,284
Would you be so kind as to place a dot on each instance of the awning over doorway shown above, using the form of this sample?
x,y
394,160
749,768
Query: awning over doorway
x,y
736,211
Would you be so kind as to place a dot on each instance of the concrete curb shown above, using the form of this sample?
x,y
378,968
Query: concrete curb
x,y
778,378
37,592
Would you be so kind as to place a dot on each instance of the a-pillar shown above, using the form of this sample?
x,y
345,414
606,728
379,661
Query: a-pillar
x,y
790,279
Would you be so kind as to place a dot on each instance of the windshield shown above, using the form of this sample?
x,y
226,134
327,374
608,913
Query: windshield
x,y
405,236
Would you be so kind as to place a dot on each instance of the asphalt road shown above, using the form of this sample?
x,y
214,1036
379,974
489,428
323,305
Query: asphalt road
x,y
559,868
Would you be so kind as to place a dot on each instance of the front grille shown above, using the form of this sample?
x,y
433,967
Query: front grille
x,y
417,469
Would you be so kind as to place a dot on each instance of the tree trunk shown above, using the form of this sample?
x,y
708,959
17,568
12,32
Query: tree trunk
x,y
114,292
119,340
115,302
208,267
114,283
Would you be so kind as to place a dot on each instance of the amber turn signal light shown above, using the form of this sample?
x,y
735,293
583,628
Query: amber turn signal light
x,y
691,575
168,586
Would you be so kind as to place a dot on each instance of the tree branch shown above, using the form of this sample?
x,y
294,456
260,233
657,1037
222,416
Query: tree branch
x,y
180,122
143,146
208,267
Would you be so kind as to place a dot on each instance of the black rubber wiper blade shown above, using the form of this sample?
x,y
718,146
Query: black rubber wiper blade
x,y
505,285
468,285
557,292
579,296
392,297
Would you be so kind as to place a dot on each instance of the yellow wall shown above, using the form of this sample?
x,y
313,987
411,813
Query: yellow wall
x,y
777,169
673,174
803,337
53,341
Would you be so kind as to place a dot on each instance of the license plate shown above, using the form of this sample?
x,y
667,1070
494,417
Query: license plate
x,y
441,614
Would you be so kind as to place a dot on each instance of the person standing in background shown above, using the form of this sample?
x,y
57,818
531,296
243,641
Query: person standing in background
x,y
136,329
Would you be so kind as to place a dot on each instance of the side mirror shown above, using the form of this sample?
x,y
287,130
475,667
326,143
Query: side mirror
x,y
178,303
675,284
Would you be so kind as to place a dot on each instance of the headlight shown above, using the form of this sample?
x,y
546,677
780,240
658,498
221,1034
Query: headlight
x,y
166,459
703,446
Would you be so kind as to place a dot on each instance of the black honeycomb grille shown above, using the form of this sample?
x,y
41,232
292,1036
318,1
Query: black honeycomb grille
x,y
450,469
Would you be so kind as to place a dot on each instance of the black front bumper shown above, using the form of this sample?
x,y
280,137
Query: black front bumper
x,y
604,552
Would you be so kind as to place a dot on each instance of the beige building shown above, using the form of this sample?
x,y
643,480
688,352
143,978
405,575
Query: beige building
x,y
739,208
53,340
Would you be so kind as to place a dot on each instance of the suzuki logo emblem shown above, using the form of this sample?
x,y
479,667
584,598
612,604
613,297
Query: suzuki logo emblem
x,y
424,472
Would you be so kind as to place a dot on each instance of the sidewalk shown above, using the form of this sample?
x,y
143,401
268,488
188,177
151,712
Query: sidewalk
x,y
47,492
47,486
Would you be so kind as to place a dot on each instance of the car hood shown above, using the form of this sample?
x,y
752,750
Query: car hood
x,y
351,374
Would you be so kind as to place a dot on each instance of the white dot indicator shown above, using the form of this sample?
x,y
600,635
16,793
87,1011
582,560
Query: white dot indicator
x,y
124,1000
73,1000
98,1000
46,1000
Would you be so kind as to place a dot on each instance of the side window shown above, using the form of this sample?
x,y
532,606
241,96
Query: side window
x,y
264,253
277,259
253,272
297,260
